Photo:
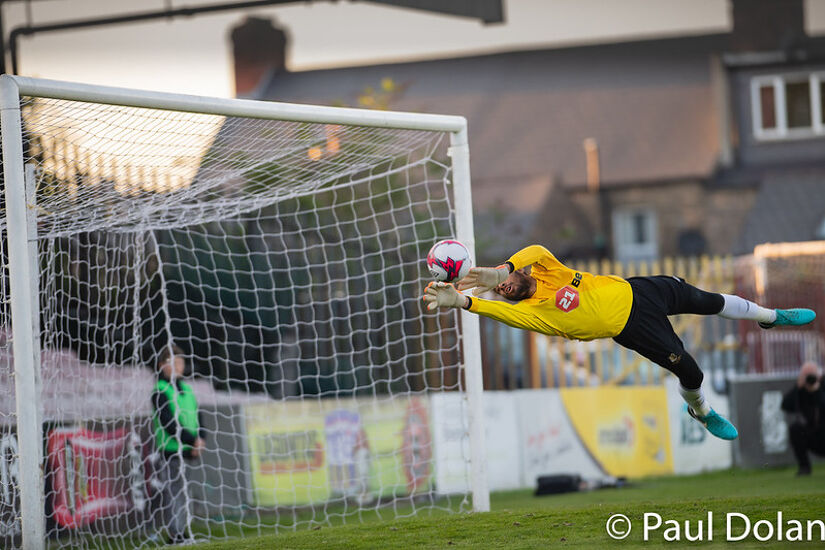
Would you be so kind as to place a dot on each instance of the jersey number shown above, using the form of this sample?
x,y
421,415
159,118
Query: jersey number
x,y
567,299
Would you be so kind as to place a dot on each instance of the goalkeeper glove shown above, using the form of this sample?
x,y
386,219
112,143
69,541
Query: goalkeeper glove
x,y
482,279
439,294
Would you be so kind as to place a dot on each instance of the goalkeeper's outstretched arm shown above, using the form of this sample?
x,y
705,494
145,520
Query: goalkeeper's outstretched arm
x,y
482,279
533,254
444,295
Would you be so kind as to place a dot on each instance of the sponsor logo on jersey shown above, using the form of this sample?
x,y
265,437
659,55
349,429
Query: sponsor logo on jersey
x,y
567,299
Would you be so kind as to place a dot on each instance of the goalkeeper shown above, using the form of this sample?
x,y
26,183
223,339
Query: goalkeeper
x,y
556,300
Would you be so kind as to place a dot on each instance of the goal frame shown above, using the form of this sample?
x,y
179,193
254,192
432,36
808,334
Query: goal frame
x,y
24,279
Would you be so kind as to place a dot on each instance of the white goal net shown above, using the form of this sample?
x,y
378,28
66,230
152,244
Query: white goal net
x,y
284,258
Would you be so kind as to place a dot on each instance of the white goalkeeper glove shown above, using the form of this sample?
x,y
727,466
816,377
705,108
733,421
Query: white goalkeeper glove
x,y
439,294
482,279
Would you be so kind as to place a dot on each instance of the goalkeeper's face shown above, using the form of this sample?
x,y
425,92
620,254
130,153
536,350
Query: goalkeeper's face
x,y
517,286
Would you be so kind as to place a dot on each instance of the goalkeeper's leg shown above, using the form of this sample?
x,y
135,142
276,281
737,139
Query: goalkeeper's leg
x,y
685,298
649,333
690,388
690,376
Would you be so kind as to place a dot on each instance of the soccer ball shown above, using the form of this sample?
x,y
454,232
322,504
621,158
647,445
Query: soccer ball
x,y
448,261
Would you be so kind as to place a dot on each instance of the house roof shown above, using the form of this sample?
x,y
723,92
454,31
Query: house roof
x,y
647,103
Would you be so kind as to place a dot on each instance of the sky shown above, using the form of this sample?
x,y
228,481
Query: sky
x,y
193,55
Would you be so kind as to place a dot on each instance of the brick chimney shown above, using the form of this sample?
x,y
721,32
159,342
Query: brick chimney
x,y
765,25
259,50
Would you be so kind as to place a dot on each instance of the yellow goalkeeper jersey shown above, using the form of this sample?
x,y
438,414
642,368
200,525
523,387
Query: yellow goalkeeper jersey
x,y
569,303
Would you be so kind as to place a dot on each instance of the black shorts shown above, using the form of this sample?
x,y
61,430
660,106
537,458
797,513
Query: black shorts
x,y
648,330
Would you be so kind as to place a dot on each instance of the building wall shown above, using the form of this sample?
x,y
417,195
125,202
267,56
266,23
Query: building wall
x,y
717,214
725,218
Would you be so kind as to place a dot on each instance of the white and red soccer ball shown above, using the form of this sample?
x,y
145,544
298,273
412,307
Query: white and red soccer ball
x,y
448,261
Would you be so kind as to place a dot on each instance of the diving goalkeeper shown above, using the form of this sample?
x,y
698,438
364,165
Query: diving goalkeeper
x,y
556,300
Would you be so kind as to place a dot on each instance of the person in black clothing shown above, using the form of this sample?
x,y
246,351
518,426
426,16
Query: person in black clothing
x,y
806,401
179,435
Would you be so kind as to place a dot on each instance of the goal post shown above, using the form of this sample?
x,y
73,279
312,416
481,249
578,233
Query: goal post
x,y
281,243
460,154
22,316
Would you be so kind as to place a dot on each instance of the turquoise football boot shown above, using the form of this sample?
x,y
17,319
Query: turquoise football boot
x,y
716,424
791,317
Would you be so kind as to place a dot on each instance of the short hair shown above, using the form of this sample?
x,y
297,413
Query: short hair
x,y
808,368
167,352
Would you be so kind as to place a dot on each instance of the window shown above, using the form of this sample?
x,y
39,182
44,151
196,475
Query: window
x,y
798,104
788,106
634,235
767,107
822,101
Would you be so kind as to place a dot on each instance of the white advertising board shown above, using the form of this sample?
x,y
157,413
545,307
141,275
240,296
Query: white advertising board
x,y
549,441
451,444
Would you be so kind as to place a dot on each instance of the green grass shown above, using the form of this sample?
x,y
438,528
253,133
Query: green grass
x,y
520,520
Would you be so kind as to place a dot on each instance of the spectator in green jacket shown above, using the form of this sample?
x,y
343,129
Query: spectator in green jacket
x,y
179,435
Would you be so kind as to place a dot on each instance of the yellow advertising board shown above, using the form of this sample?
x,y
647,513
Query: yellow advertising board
x,y
305,452
286,453
626,430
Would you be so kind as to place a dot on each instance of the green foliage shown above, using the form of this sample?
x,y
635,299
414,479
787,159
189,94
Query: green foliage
x,y
380,97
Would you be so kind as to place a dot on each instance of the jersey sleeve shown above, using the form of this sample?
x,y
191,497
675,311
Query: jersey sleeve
x,y
508,314
534,254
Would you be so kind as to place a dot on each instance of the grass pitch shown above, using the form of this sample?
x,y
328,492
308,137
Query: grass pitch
x,y
520,520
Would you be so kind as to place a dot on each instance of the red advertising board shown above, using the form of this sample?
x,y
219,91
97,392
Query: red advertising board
x,y
92,474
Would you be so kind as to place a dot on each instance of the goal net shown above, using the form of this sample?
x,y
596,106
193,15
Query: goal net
x,y
784,275
281,249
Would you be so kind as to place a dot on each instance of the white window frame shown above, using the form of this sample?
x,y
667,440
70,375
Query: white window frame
x,y
782,132
623,250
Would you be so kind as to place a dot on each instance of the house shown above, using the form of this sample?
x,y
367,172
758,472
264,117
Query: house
x,y
635,150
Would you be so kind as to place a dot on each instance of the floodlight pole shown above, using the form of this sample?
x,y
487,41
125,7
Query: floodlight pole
x,y
2,43
490,11
29,30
